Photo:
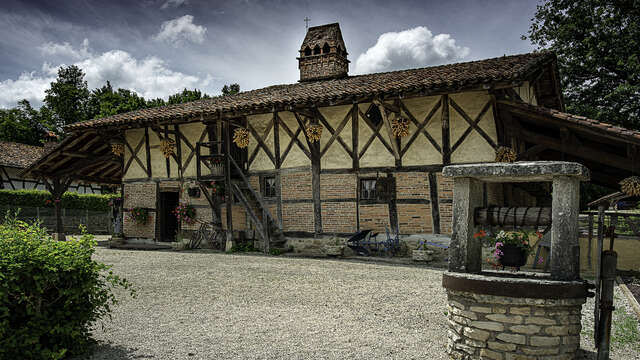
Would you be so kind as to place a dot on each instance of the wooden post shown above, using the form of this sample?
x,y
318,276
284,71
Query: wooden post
x,y
565,249
315,184
435,207
227,185
354,136
590,237
57,188
446,141
609,263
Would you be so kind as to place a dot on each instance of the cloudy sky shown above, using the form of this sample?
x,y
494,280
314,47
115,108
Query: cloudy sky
x,y
158,47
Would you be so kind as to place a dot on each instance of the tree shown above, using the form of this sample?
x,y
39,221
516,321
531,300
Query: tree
x,y
186,96
68,96
24,124
106,102
231,89
598,47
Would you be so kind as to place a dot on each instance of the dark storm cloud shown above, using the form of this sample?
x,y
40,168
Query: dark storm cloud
x,y
159,47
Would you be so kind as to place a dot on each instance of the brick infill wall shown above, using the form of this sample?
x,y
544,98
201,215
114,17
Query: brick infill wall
x,y
504,328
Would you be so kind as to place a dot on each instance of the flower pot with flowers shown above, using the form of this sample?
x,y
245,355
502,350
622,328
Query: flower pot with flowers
x,y
139,215
185,212
509,249
217,166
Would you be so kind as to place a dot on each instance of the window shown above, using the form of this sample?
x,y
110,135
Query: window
x,y
269,186
307,51
368,189
316,50
326,49
374,116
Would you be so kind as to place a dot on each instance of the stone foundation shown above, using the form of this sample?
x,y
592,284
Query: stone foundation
x,y
501,327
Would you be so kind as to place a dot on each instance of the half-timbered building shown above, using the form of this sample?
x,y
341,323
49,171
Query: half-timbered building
x,y
335,153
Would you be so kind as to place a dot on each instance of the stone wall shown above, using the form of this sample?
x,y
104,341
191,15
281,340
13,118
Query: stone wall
x,y
498,327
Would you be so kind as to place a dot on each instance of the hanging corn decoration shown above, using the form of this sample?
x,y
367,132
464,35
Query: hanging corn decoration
x,y
314,132
505,154
117,149
400,127
241,137
167,147
631,186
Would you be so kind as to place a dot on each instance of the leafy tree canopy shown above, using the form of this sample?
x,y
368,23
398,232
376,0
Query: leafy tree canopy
x,y
598,48
230,89
69,100
187,96
68,96
24,124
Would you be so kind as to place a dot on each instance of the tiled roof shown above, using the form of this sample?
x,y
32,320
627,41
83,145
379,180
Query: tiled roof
x,y
437,78
19,155
595,125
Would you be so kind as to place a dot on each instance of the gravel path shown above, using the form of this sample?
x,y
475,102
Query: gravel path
x,y
219,306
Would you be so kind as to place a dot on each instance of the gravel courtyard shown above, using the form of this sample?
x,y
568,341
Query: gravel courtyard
x,y
220,306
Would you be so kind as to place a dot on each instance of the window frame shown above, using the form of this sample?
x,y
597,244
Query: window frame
x,y
373,199
264,187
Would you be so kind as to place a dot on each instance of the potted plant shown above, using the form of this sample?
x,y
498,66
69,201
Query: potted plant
x,y
421,253
509,249
217,166
334,247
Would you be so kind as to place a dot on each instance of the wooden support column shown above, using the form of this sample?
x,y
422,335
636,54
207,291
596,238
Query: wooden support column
x,y
435,207
57,187
354,137
315,185
227,184
446,140
148,152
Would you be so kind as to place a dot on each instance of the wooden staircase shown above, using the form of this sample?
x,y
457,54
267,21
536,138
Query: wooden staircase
x,y
267,227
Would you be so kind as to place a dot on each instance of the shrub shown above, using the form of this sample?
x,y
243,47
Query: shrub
x,y
70,200
51,293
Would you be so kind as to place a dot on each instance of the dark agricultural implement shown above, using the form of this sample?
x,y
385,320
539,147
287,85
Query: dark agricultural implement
x,y
364,243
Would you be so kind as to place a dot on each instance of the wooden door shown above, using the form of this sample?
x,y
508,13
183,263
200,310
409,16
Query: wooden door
x,y
168,222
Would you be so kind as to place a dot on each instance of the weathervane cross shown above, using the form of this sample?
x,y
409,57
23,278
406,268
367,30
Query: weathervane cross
x,y
306,22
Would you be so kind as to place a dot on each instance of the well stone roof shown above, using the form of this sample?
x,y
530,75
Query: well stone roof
x,y
456,77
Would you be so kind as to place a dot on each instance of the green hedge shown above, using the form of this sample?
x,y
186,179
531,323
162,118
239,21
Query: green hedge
x,y
51,293
70,200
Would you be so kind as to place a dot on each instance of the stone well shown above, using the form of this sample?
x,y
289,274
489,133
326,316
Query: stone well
x,y
506,315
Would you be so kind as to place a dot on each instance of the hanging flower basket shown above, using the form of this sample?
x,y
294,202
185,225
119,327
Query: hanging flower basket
x,y
117,149
186,213
631,186
241,137
400,127
505,154
314,132
139,215
167,147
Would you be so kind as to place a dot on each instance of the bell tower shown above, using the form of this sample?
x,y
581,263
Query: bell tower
x,y
323,54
